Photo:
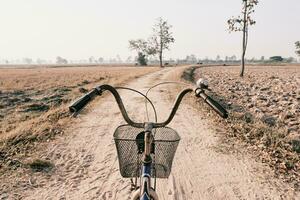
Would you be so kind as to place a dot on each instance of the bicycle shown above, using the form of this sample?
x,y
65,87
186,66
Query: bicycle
x,y
146,150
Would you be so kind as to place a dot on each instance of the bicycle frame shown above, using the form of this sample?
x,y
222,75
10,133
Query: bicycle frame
x,y
146,192
146,170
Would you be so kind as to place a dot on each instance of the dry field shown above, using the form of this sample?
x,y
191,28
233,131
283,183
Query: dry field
x,y
82,162
33,102
265,111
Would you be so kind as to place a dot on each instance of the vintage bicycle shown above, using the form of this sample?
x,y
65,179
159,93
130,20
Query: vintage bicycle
x,y
146,150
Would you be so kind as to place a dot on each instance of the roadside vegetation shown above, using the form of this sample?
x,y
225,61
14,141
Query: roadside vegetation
x,y
264,112
34,104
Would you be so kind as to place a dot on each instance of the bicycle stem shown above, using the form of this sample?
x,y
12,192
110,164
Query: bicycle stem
x,y
148,140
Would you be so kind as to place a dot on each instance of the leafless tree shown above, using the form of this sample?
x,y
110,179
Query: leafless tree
x,y
157,43
242,23
161,39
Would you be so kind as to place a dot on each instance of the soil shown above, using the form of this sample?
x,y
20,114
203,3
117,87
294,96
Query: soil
x,y
84,161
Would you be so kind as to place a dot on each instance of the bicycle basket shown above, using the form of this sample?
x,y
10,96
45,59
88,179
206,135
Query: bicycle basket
x,y
127,143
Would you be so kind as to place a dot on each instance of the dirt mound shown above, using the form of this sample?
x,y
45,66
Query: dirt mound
x,y
265,111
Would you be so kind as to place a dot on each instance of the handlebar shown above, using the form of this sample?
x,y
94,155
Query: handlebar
x,y
212,103
83,101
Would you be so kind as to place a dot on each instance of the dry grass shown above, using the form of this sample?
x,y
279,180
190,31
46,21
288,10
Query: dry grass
x,y
47,78
34,102
264,91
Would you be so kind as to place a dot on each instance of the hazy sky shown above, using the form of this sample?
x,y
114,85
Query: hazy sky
x,y
77,29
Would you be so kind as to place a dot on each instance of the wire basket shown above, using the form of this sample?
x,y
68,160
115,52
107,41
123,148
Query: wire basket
x,y
129,145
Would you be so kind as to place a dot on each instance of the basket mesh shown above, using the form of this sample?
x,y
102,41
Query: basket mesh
x,y
165,144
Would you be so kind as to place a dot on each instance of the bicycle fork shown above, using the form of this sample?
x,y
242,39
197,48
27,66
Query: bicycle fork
x,y
146,182
145,192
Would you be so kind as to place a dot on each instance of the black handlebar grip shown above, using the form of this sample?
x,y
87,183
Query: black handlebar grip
x,y
217,107
83,101
212,103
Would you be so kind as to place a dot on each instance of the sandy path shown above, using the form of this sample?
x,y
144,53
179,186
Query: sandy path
x,y
87,166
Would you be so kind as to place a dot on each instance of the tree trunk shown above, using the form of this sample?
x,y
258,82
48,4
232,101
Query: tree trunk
x,y
242,65
243,54
161,48
160,59
244,40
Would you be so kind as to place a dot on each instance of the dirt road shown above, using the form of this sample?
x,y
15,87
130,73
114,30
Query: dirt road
x,y
86,165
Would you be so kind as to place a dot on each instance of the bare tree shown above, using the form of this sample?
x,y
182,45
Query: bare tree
x,y
161,39
297,44
157,43
242,23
